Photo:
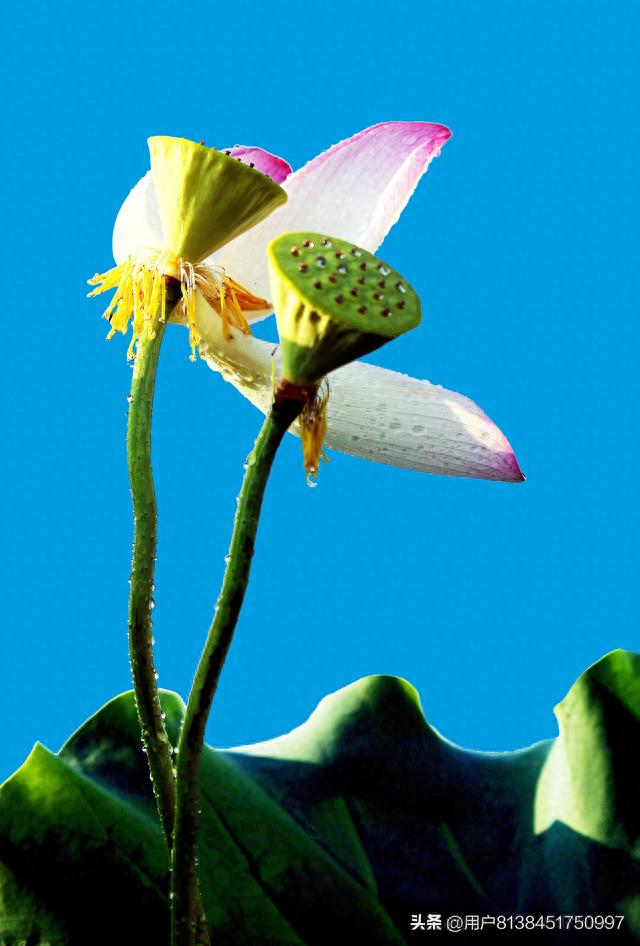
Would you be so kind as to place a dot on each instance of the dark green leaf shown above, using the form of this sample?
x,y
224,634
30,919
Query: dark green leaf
x,y
338,831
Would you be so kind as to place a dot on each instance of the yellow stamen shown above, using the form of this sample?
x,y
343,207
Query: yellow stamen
x,y
313,428
141,296
228,298
188,283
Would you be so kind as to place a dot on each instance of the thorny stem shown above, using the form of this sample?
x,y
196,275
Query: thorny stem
x,y
145,516
184,867
145,519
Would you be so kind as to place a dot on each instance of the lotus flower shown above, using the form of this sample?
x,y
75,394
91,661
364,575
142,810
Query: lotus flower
x,y
357,191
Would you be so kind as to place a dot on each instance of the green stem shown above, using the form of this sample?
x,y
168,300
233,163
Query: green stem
x,y
154,735
145,519
184,878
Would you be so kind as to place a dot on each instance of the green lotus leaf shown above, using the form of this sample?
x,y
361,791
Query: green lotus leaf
x,y
341,830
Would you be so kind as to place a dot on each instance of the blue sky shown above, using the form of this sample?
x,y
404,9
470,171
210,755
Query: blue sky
x,y
522,241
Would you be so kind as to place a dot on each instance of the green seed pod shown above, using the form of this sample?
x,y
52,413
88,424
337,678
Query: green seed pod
x,y
334,302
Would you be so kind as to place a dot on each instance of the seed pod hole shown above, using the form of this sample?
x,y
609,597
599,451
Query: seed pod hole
x,y
356,298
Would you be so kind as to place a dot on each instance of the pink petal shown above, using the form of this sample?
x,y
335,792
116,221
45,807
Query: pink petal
x,y
374,413
356,190
270,164
392,418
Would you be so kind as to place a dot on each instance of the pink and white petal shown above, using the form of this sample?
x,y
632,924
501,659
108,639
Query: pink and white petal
x,y
356,190
374,413
270,164
138,223
391,418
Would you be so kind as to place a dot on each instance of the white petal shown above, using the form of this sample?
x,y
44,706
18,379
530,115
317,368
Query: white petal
x,y
391,418
375,413
356,190
138,224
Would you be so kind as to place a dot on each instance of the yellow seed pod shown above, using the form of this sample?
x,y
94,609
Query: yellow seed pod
x,y
206,198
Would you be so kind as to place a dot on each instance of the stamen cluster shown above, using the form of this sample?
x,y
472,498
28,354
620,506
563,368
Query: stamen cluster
x,y
141,296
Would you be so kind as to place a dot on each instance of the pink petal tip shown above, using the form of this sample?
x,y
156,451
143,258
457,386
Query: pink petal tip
x,y
270,164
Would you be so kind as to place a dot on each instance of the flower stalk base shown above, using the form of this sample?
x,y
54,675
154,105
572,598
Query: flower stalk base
x,y
184,871
155,740
154,736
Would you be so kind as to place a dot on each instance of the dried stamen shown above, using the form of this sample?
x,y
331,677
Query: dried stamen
x,y
313,428
141,296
